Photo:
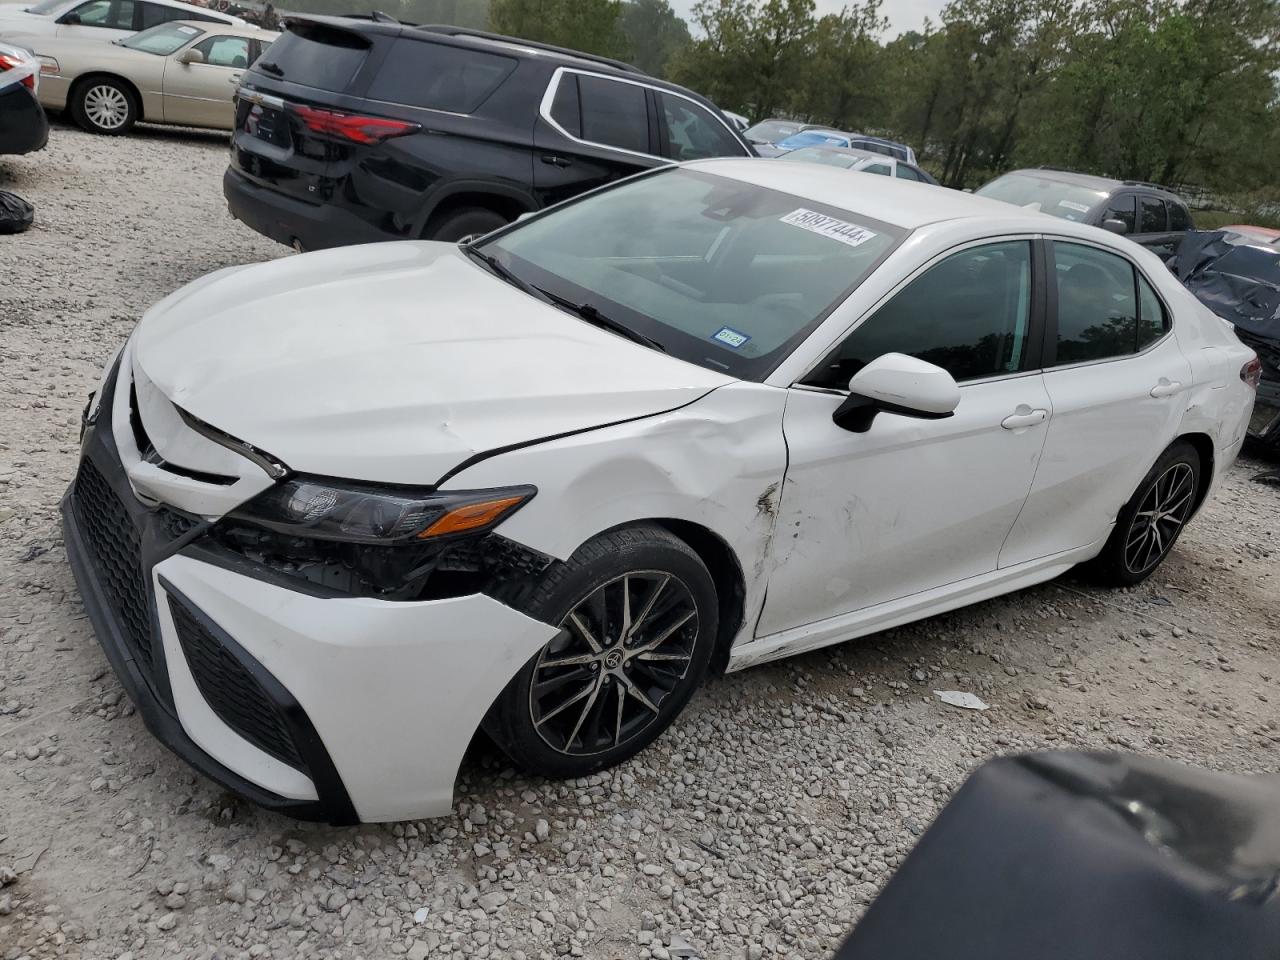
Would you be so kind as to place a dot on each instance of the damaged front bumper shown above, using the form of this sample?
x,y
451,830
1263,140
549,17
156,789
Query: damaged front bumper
x,y
321,706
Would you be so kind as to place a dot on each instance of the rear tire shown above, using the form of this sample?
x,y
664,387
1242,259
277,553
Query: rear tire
x,y
1149,525
598,693
104,105
467,224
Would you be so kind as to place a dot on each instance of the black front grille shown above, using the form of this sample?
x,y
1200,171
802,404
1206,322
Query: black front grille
x,y
231,690
117,547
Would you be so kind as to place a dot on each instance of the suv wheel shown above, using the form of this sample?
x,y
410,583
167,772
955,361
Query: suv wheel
x,y
638,616
467,224
104,105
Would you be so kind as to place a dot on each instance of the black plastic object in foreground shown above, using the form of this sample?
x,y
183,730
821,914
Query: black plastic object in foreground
x,y
15,213
1073,856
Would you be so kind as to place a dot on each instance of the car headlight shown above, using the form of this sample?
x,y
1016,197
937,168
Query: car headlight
x,y
323,509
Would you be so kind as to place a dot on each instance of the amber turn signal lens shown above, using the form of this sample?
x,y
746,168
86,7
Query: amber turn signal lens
x,y
470,516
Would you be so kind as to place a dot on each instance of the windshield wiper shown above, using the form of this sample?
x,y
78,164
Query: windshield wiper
x,y
594,317
270,67
503,271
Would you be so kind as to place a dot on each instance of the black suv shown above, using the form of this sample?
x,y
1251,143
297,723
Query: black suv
x,y
352,131
1144,212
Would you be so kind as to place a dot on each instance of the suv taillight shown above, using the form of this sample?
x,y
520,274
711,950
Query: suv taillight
x,y
352,126
11,63
1251,372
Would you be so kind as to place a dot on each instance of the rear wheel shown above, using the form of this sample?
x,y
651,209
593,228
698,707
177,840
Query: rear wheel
x,y
467,224
1150,523
637,617
104,105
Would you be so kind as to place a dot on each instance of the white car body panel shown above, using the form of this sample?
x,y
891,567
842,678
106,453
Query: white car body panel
x,y
416,679
866,518
410,363
435,361
17,24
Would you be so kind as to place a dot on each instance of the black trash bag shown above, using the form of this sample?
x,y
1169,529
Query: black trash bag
x,y
15,213
1087,856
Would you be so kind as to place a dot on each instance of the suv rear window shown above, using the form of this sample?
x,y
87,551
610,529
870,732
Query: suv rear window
x,y
439,76
315,55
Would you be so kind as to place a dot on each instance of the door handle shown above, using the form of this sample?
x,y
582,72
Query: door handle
x,y
1165,388
1027,418
556,161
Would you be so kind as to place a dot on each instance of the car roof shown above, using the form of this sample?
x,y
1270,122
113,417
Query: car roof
x,y
899,202
1095,182
241,29
849,152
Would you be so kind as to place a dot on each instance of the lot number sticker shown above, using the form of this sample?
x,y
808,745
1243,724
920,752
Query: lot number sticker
x,y
829,227
730,337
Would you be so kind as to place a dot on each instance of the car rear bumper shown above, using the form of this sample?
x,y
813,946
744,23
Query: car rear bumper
x,y
323,707
295,222
24,128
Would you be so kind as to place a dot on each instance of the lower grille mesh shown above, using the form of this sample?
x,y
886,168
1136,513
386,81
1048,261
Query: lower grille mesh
x,y
231,690
116,546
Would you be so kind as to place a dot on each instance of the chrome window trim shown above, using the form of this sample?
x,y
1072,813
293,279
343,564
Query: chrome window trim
x,y
549,96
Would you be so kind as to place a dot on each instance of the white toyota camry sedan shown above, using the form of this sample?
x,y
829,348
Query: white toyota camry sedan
x,y
338,512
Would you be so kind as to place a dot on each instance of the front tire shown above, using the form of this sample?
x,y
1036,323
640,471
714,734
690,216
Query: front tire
x,y
638,617
1150,523
104,105
467,224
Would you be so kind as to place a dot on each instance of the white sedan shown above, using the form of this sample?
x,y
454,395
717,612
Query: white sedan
x,y
98,20
336,512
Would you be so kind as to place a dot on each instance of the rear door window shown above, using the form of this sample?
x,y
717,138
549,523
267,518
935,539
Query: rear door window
x,y
614,113
113,14
315,55
1179,218
565,108
1097,304
692,133
903,172
1153,216
439,76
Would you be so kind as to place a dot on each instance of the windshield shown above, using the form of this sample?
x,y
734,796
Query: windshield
x,y
724,274
162,40
771,131
832,158
47,7
814,138
1064,200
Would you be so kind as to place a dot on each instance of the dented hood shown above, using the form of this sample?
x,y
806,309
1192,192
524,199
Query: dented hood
x,y
394,362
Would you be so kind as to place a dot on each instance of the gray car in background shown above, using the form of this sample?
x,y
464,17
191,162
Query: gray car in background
x,y
1146,213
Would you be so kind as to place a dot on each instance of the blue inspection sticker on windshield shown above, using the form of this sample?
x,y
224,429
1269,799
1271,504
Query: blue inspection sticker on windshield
x,y
730,337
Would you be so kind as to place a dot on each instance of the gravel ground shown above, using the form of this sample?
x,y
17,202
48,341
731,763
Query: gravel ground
x,y
761,825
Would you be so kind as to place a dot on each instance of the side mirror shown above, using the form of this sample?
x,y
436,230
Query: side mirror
x,y
70,18
1115,226
191,56
897,383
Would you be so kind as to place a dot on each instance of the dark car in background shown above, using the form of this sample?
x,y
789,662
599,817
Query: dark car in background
x,y
354,131
24,127
1144,212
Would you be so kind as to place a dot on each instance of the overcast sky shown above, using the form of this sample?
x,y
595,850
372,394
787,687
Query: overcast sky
x,y
903,14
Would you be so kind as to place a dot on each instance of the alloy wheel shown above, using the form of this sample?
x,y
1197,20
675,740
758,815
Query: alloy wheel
x,y
1160,516
621,651
106,106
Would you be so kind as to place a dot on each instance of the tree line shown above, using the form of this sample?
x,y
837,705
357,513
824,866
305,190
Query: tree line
x,y
1168,91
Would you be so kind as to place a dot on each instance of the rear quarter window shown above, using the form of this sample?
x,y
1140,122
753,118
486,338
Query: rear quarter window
x,y
438,76
315,56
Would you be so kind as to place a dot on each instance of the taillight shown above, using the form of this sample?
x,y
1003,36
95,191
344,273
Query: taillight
x,y
1251,372
352,126
8,62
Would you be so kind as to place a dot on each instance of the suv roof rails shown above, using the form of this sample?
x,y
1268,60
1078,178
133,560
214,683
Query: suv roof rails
x,y
454,31
1144,183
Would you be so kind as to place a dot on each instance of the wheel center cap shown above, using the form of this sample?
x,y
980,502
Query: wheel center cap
x,y
613,659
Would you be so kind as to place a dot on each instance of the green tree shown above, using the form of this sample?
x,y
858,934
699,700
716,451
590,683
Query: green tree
x,y
749,54
653,34
591,26
839,82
